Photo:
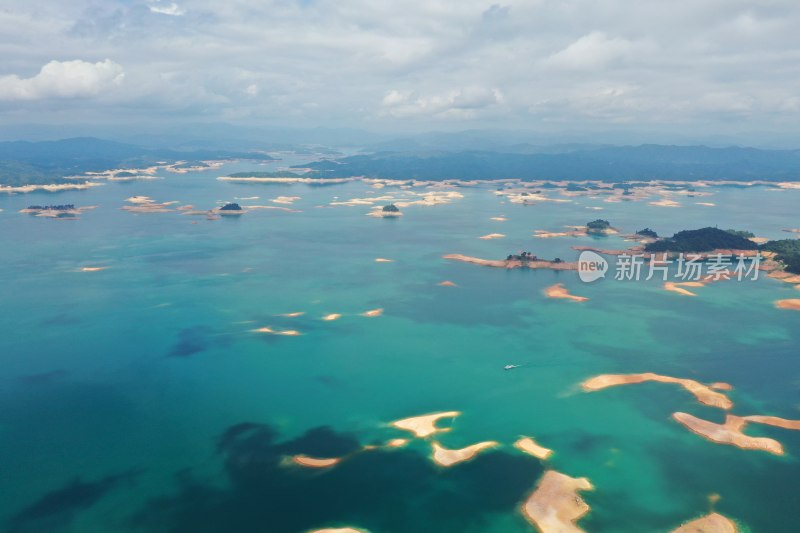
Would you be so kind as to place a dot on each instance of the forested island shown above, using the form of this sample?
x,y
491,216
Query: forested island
x,y
701,240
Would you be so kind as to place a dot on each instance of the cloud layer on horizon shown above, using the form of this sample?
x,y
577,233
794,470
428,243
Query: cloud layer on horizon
x,y
713,65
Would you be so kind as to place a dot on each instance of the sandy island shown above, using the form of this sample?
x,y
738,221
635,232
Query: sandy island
x,y
447,283
383,260
703,393
555,505
339,530
710,523
53,187
285,332
558,291
789,303
444,457
373,313
292,315
331,317
92,269
678,287
531,447
424,425
492,236
730,432
510,264
314,462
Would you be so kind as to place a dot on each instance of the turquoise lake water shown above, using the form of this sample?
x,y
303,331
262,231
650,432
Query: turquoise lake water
x,y
138,398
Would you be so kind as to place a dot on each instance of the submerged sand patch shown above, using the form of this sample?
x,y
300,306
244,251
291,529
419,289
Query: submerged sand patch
x,y
424,425
445,457
703,393
531,447
710,523
559,291
555,505
678,287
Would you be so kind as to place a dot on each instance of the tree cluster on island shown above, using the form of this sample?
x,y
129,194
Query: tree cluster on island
x,y
527,256
391,208
598,226
647,232
65,207
701,240
231,207
787,251
741,233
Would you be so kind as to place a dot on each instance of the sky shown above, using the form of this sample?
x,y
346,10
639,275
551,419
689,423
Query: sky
x,y
724,68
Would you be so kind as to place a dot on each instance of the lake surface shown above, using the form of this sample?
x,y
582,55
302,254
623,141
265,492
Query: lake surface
x,y
138,398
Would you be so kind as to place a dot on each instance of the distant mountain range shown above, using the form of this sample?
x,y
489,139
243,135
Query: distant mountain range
x,y
605,163
23,162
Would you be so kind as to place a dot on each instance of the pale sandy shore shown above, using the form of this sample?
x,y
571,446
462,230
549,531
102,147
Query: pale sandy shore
x,y
383,260
331,317
531,447
445,457
285,332
424,425
555,505
730,432
315,462
372,313
339,530
397,443
703,393
789,303
492,236
53,187
93,269
710,523
512,263
559,291
447,283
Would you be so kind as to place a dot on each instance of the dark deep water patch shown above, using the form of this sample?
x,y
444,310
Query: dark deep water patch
x,y
56,510
380,490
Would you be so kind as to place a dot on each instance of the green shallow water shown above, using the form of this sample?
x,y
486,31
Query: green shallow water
x,y
118,385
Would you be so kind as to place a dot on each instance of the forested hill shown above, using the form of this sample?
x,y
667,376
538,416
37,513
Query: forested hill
x,y
23,162
623,163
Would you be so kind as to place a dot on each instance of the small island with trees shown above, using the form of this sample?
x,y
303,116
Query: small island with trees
x,y
231,209
702,240
387,211
55,211
599,227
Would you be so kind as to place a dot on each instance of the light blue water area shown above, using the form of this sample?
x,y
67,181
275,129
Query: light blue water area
x,y
118,384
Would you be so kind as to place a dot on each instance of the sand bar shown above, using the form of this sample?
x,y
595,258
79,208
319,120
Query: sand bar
x,y
510,264
789,303
710,523
315,462
558,291
703,393
373,313
555,505
492,236
383,260
530,446
445,457
331,317
728,433
447,283
424,425
285,332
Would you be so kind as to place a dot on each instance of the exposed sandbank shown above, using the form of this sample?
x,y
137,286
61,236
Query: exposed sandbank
x,y
444,457
285,332
492,236
730,432
703,393
339,530
559,291
678,287
555,505
373,313
315,462
789,303
53,187
530,446
292,315
331,317
424,425
710,523
92,269
383,260
447,283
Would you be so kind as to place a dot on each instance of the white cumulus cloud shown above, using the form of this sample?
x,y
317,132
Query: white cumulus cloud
x,y
171,9
458,103
592,51
63,79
